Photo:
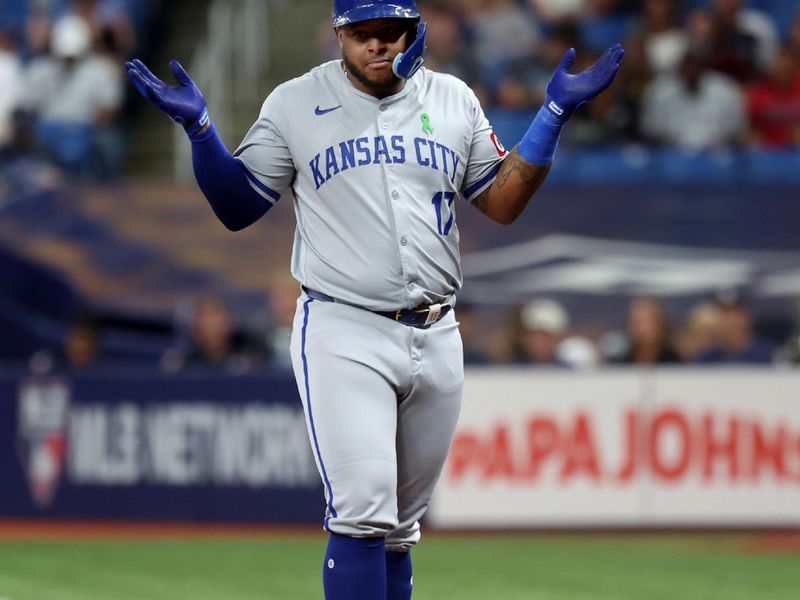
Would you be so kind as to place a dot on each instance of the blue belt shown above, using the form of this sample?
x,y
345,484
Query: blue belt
x,y
421,317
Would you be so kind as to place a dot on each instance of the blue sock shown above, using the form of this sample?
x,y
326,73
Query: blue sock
x,y
398,575
355,568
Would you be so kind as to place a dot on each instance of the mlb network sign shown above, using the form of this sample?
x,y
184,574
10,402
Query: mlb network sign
x,y
175,443
628,447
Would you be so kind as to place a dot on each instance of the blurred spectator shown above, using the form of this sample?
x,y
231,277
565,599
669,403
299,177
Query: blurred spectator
x,y
448,50
471,330
699,332
524,83
541,338
662,40
696,109
283,293
790,350
74,93
108,144
80,349
744,40
24,172
82,344
793,43
629,88
736,339
774,104
700,30
213,341
10,85
37,29
501,31
752,22
649,336
107,18
554,11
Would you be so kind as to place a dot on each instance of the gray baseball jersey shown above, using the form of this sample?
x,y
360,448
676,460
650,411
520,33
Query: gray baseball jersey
x,y
387,171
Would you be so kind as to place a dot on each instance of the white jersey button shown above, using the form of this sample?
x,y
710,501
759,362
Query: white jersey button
x,y
395,195
383,108
384,125
403,241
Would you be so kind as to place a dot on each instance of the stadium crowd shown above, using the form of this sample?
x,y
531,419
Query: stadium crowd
x,y
698,74
62,88
721,330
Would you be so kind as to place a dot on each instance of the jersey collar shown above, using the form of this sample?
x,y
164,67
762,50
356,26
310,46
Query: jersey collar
x,y
343,83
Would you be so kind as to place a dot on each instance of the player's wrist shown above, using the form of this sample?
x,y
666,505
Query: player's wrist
x,y
203,134
538,145
198,127
559,109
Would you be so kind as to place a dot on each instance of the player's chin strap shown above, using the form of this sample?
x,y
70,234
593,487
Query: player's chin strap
x,y
407,63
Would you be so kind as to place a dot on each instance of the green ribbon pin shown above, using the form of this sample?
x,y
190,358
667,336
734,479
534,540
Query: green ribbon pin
x,y
426,124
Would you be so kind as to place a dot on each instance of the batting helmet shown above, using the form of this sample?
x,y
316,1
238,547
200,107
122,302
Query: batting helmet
x,y
353,11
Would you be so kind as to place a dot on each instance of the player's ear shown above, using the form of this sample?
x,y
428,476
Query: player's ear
x,y
339,35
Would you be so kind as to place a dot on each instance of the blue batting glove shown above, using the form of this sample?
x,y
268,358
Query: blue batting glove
x,y
184,104
566,92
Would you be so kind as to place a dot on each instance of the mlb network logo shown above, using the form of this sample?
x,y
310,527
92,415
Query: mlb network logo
x,y
43,410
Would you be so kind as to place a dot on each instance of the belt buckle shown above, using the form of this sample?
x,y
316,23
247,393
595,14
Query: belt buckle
x,y
434,310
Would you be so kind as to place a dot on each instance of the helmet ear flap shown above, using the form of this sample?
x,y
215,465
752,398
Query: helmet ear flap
x,y
409,62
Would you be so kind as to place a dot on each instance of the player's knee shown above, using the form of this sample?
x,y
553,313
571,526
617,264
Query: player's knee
x,y
369,504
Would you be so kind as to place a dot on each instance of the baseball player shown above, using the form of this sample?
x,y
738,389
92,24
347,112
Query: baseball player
x,y
379,154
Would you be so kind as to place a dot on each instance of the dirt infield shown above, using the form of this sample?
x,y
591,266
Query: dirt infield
x,y
748,542
21,530
779,542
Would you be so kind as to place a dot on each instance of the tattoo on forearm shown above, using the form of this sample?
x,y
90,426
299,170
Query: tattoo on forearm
x,y
526,172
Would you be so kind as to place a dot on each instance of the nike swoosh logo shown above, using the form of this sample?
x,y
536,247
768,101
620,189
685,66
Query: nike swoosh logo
x,y
324,111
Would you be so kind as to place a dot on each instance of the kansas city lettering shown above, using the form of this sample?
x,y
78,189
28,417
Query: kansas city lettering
x,y
380,150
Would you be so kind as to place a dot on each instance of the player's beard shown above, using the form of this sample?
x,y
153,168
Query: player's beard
x,y
391,84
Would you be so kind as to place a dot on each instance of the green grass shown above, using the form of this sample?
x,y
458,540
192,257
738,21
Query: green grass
x,y
543,567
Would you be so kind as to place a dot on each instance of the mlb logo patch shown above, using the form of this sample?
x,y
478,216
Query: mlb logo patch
x,y
42,414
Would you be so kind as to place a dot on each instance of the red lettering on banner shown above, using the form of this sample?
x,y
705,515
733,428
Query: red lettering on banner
x,y
670,419
632,447
543,440
499,462
720,449
464,452
580,451
770,450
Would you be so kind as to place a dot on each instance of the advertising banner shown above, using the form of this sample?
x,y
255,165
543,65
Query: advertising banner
x,y
680,447
128,446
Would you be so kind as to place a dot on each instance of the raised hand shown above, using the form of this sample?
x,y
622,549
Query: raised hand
x,y
566,92
184,104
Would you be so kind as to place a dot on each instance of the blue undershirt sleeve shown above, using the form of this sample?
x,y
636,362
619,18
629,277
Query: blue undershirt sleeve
x,y
226,183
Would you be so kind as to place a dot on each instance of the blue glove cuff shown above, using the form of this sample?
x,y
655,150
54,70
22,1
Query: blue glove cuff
x,y
538,145
198,137
195,127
